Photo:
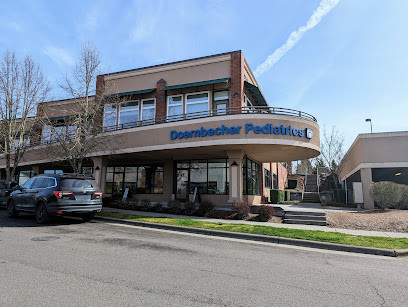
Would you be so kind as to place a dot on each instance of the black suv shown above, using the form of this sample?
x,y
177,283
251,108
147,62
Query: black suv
x,y
49,195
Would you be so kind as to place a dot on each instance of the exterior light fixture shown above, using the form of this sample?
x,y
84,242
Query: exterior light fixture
x,y
97,168
397,174
371,125
234,164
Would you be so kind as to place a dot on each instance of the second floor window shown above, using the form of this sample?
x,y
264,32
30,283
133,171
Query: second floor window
x,y
129,112
109,115
174,107
51,134
198,104
148,109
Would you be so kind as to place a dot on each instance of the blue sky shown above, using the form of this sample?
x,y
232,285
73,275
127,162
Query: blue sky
x,y
350,66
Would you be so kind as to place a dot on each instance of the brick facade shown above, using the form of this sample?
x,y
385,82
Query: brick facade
x,y
237,80
160,98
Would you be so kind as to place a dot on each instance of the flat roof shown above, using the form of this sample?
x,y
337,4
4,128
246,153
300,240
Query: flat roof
x,y
171,63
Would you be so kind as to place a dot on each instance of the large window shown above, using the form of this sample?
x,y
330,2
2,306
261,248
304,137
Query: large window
x,y
147,179
251,172
148,109
174,107
109,116
208,176
129,112
198,104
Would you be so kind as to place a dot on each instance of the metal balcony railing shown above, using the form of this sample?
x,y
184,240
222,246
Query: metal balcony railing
x,y
215,112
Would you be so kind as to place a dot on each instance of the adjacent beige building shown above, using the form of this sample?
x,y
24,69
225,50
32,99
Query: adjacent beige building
x,y
375,157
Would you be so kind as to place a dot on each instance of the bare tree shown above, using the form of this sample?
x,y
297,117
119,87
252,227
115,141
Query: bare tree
x,y
22,87
79,133
332,152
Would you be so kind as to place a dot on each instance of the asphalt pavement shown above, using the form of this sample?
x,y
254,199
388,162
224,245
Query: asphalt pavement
x,y
71,263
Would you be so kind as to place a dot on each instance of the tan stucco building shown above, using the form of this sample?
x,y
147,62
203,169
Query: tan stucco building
x,y
194,126
375,157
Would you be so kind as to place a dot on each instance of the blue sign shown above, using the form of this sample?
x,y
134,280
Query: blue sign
x,y
249,128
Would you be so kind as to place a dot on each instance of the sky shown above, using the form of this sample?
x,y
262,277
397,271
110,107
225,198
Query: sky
x,y
340,60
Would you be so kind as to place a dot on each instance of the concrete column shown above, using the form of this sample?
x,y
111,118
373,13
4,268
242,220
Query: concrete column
x,y
168,180
100,172
367,179
235,175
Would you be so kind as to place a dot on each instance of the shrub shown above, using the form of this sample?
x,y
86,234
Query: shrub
x,y
287,195
158,207
174,207
242,209
144,205
189,207
277,196
385,194
265,213
205,207
403,204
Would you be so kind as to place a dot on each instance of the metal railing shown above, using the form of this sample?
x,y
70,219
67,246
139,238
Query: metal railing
x,y
214,112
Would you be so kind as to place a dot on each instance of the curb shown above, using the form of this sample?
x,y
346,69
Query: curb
x,y
264,238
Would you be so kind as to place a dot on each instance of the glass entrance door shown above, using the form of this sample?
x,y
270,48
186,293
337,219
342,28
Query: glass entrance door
x,y
182,184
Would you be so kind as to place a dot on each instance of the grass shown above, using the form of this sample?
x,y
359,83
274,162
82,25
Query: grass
x,y
314,235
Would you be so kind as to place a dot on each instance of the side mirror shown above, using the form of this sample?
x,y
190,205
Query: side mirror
x,y
17,187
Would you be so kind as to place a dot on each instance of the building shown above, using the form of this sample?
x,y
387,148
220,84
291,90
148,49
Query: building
x,y
199,126
375,157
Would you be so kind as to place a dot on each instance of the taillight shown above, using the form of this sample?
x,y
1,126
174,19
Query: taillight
x,y
98,194
62,194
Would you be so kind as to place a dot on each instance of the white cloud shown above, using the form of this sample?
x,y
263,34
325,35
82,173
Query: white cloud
x,y
324,7
59,55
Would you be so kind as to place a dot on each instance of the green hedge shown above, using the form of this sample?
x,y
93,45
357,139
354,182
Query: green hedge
x,y
339,196
277,196
292,184
287,195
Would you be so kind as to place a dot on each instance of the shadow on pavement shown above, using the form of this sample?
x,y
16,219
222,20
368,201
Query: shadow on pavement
x,y
28,220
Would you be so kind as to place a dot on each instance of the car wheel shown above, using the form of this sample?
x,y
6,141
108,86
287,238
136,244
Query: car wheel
x,y
88,216
41,214
11,207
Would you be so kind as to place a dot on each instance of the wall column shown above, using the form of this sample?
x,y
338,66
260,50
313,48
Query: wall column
x,y
100,171
235,175
367,179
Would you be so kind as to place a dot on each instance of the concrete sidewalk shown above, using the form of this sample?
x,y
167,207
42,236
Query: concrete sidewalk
x,y
290,226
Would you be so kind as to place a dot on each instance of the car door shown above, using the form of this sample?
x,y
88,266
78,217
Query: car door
x,y
29,198
19,195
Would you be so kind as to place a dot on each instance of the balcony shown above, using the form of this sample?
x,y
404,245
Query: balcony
x,y
215,112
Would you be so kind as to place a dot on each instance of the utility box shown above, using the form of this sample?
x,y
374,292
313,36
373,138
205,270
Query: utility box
x,y
358,193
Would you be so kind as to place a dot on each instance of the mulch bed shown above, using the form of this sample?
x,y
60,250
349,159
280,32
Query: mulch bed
x,y
377,220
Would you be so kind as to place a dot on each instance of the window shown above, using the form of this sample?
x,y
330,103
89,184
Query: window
x,y
129,112
275,181
53,171
147,179
208,176
220,102
198,104
109,116
53,134
29,183
46,134
49,183
148,109
174,107
267,178
251,172
38,183
24,176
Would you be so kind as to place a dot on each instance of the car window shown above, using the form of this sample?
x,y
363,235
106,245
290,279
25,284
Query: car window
x,y
77,183
48,182
3,185
29,183
38,183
